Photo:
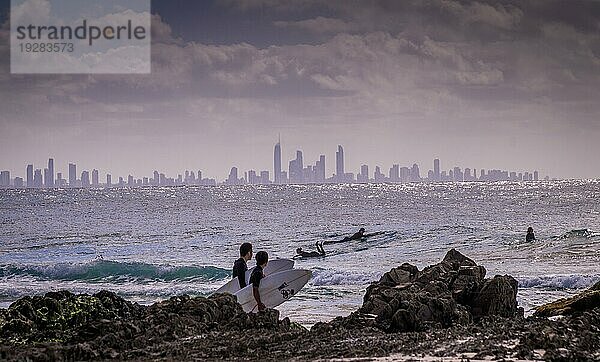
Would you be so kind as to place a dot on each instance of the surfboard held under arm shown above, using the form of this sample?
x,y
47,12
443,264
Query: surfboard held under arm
x,y
274,266
274,289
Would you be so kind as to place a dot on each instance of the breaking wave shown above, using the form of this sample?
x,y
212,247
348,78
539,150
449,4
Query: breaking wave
x,y
113,270
574,281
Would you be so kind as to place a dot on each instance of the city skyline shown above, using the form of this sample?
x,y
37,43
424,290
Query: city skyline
x,y
512,84
298,172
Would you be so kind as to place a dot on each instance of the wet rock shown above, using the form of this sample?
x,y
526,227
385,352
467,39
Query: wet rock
x,y
451,292
584,301
405,273
455,257
496,296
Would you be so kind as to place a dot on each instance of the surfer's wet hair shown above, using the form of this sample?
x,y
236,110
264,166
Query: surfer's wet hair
x,y
261,257
245,248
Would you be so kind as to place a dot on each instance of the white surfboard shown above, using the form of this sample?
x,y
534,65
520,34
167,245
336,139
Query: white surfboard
x,y
274,289
274,266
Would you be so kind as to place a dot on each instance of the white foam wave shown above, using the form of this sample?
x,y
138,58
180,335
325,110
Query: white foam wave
x,y
333,277
573,281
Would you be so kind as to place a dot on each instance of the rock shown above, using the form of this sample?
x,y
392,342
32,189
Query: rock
x,y
595,286
455,257
497,296
584,301
451,292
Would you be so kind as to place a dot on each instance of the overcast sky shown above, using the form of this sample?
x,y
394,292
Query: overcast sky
x,y
505,84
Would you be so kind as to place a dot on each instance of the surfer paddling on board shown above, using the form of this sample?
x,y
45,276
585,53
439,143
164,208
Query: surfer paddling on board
x,y
312,254
356,236
240,266
262,259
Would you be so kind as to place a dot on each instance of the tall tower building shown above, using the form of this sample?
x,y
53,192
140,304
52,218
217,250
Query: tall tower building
x,y
29,175
85,179
108,180
50,179
37,179
72,175
95,178
320,169
46,177
415,174
436,169
277,163
296,169
339,164
233,179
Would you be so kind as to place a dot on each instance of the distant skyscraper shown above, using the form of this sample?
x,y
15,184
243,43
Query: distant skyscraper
x,y
85,179
233,176
108,180
339,164
37,179
72,175
378,175
363,176
95,178
320,170
264,177
47,178
415,174
296,169
252,178
404,174
5,178
394,174
458,175
156,178
277,163
436,169
536,176
29,175
50,179
18,182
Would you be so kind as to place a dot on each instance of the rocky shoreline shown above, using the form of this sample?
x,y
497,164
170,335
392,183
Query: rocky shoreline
x,y
449,309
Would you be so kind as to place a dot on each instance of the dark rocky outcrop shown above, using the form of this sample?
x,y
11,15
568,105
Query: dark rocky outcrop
x,y
584,301
450,292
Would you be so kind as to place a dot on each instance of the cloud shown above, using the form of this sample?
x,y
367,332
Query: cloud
x,y
318,25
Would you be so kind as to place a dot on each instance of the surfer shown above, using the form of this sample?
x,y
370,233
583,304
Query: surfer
x,y
312,254
530,235
240,267
262,259
356,236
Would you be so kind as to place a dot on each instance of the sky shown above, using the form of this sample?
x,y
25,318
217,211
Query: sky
x,y
482,84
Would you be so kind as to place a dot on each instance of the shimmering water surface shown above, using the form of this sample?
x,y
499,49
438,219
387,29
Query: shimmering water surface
x,y
151,243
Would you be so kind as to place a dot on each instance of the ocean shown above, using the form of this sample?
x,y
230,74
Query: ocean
x,y
148,244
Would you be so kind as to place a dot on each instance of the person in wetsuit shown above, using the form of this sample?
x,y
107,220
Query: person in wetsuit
x,y
240,267
356,236
530,235
262,259
312,254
